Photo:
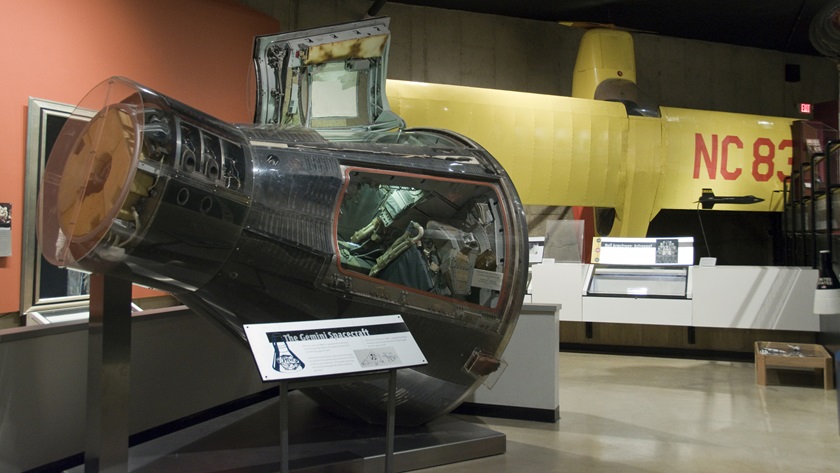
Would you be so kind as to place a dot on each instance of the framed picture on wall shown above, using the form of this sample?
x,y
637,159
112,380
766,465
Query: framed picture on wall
x,y
43,285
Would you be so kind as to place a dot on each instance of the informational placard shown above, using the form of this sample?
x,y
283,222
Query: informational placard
x,y
487,279
291,350
536,247
5,229
643,251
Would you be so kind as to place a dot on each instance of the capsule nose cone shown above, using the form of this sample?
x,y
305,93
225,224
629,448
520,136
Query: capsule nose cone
x,y
89,171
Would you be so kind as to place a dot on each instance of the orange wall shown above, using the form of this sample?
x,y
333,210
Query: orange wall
x,y
197,51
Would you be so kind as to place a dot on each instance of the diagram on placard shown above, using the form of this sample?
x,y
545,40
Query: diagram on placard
x,y
667,251
285,361
381,357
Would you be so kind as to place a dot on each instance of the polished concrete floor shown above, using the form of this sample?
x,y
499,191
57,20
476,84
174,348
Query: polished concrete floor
x,y
626,414
642,414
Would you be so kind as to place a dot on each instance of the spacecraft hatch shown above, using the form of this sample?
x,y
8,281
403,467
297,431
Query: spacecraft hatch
x,y
326,207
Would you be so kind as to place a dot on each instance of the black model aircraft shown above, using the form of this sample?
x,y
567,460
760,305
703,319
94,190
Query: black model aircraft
x,y
708,199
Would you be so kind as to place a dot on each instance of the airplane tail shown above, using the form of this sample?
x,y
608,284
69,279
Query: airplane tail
x,y
603,54
707,199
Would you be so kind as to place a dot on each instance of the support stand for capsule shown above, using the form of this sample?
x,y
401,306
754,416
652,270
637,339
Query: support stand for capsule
x,y
285,386
321,352
109,368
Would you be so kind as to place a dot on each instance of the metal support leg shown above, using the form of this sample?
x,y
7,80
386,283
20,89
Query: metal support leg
x,y
389,430
109,363
284,427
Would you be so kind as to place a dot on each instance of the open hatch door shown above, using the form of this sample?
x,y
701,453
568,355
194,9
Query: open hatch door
x,y
329,78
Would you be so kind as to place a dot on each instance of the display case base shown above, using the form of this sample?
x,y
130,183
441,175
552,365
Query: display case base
x,y
248,440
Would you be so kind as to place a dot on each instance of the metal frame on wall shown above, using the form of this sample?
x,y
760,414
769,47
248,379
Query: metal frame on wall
x,y
41,283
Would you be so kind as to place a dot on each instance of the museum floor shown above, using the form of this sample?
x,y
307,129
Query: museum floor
x,y
626,414
643,414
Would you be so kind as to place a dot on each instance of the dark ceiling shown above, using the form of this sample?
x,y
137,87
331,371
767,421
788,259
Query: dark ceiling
x,y
780,25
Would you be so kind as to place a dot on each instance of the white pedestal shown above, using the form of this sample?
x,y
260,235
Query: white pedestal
x,y
529,388
559,284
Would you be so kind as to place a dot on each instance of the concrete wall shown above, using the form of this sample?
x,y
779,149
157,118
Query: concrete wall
x,y
451,47
713,76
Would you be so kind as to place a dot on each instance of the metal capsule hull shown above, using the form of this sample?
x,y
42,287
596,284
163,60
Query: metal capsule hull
x,y
256,224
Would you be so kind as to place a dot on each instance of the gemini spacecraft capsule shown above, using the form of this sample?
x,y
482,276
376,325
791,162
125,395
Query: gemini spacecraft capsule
x,y
326,207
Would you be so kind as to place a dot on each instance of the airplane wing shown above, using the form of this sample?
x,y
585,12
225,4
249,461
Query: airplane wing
x,y
579,152
555,148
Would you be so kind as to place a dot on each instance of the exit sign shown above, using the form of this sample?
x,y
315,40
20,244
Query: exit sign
x,y
804,108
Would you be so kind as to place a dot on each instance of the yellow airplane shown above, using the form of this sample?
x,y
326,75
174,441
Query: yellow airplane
x,y
608,147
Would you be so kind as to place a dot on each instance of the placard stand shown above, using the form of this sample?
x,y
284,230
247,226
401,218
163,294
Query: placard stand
x,y
286,385
109,368
109,364
330,351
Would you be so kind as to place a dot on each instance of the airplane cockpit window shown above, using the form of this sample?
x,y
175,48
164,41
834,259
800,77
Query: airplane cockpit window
x,y
443,236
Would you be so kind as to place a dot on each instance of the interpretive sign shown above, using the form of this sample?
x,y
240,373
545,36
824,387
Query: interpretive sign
x,y
5,229
290,350
643,251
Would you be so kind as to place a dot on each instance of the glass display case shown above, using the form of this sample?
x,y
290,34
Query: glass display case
x,y
638,281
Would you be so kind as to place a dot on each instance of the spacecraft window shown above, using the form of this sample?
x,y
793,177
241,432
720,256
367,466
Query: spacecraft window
x,y
441,236
334,91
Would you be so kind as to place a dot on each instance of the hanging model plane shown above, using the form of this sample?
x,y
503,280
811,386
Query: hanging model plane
x,y
609,146
708,199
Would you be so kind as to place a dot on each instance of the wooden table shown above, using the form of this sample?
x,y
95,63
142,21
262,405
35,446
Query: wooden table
x,y
783,355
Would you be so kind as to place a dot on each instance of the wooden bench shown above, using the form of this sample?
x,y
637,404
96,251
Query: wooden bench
x,y
783,355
